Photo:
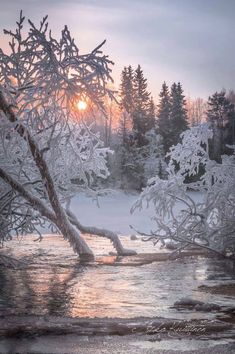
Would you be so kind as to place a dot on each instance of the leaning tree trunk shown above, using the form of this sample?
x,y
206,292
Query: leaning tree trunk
x,y
55,213
63,224
60,217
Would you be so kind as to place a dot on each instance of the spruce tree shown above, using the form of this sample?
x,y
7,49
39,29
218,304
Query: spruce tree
x,y
178,116
163,122
219,109
138,108
221,115
126,91
140,114
126,94
151,115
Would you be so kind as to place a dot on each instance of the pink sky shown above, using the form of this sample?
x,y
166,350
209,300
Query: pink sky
x,y
181,40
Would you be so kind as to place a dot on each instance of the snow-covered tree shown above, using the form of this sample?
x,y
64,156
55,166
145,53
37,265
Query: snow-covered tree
x,y
206,218
139,163
47,152
154,157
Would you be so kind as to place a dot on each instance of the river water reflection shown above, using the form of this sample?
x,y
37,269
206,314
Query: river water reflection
x,y
55,283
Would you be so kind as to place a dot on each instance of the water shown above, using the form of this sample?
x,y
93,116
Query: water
x,y
55,283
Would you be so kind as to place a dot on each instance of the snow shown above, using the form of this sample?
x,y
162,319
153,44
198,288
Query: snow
x,y
113,212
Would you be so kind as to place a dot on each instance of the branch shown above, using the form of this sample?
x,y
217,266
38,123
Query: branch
x,y
37,155
113,237
35,202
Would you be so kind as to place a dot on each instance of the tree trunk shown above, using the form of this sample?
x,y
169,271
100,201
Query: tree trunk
x,y
60,217
67,230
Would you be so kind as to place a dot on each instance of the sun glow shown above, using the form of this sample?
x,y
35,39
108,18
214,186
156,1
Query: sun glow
x,y
81,105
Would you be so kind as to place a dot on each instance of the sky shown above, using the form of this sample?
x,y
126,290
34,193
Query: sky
x,y
191,41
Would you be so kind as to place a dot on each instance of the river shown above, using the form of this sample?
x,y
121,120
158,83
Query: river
x,y
51,281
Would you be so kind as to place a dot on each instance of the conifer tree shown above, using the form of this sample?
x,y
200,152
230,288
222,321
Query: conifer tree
x,y
140,114
163,122
151,119
122,148
221,115
178,116
126,92
138,109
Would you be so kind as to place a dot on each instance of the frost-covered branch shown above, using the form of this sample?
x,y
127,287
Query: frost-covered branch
x,y
196,204
47,152
112,236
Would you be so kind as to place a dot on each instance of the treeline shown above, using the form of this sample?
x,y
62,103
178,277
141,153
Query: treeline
x,y
144,132
168,119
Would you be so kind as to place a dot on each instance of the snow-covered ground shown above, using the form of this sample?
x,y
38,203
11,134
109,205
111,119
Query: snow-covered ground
x,y
113,212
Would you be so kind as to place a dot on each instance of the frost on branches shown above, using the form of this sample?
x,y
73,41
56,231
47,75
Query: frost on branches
x,y
179,216
47,153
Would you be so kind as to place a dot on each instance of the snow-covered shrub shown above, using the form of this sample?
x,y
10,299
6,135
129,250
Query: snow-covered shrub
x,y
154,162
135,165
209,221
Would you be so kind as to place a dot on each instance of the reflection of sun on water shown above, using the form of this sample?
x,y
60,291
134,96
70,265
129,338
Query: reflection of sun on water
x,y
81,105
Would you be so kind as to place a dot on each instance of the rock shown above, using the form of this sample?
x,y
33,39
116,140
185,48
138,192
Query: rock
x,y
172,246
196,305
187,302
207,307
111,253
133,237
127,252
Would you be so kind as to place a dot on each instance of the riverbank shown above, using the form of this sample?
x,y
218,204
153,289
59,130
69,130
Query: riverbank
x,y
53,335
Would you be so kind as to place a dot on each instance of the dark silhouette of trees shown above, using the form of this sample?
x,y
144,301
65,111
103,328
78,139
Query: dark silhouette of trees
x,y
221,115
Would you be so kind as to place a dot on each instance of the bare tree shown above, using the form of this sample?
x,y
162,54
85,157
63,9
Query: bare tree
x,y
196,109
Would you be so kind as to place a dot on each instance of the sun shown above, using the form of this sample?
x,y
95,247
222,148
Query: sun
x,y
81,105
